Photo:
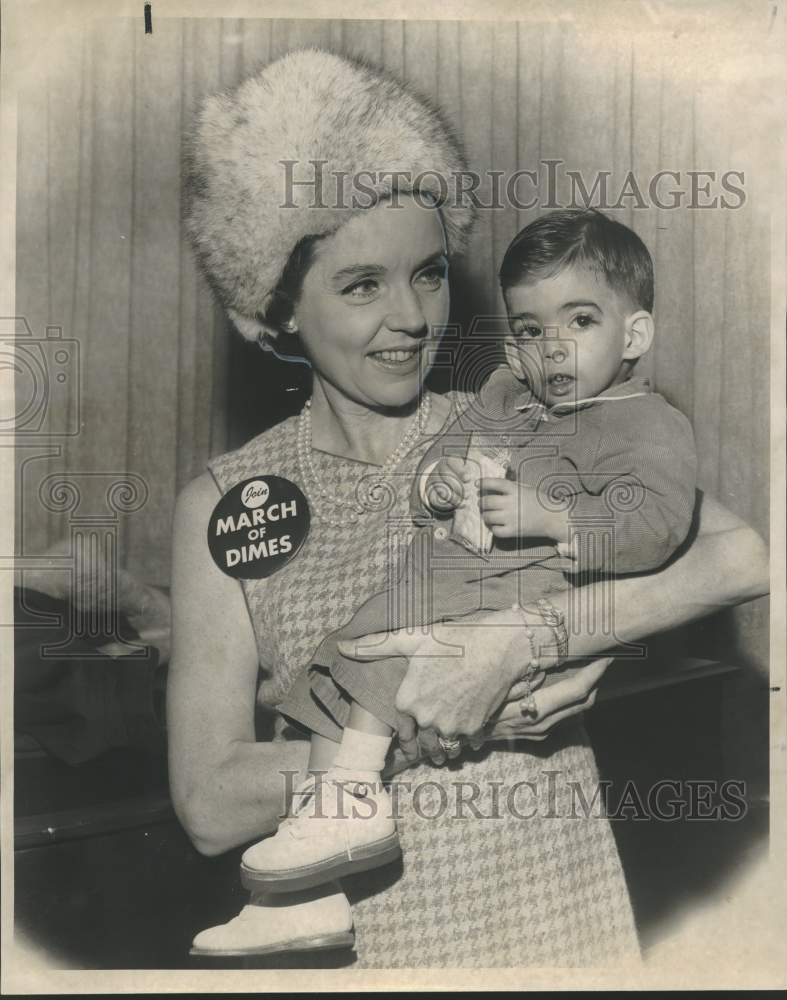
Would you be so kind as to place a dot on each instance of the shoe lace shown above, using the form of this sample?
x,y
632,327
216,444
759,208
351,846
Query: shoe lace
x,y
304,795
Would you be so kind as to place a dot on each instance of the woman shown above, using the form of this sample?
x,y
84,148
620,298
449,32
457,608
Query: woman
x,y
361,287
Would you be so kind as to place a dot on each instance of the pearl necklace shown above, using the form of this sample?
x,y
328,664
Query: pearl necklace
x,y
312,480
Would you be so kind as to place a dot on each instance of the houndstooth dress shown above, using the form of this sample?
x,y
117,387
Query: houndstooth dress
x,y
503,863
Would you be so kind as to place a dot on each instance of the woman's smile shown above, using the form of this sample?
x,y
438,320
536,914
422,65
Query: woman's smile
x,y
400,361
377,290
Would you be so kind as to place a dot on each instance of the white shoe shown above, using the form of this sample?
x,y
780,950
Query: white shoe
x,y
278,924
339,826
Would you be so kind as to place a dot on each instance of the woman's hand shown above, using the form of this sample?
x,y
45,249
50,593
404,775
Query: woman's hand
x,y
695,583
569,696
459,673
417,744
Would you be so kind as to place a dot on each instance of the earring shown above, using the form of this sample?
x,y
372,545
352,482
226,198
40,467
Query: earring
x,y
267,343
290,327
264,341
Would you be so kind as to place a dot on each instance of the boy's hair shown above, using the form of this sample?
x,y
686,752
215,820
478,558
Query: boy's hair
x,y
581,236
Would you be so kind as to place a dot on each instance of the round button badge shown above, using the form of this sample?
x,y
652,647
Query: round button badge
x,y
257,527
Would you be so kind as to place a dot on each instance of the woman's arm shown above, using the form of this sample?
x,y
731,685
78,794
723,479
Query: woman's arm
x,y
724,540
459,675
226,788
725,564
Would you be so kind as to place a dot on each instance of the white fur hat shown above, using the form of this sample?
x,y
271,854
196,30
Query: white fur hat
x,y
310,105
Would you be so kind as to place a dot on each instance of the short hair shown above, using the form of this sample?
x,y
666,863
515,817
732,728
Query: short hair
x,y
581,236
287,292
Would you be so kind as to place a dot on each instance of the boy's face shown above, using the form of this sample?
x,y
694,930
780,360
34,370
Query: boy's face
x,y
569,334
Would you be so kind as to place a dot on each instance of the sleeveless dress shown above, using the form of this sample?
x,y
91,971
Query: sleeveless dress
x,y
507,858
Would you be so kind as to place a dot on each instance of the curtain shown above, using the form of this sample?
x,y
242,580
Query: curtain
x,y
162,382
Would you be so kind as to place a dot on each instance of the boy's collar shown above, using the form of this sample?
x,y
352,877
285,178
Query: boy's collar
x,y
639,386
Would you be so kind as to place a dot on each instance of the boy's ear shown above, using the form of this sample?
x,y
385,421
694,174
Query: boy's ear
x,y
640,329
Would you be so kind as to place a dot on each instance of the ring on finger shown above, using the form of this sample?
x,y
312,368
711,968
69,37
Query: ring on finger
x,y
449,746
528,706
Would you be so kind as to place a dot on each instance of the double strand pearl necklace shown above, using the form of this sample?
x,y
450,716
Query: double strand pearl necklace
x,y
313,482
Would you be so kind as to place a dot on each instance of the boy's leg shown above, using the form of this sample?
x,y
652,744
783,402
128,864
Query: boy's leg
x,y
364,721
312,920
364,747
322,752
335,768
324,716
341,821
441,581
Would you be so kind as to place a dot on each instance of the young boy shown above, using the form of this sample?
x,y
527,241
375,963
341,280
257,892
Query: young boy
x,y
590,471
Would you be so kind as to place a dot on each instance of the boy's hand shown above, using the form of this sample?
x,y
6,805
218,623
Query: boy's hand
x,y
504,507
445,484
513,510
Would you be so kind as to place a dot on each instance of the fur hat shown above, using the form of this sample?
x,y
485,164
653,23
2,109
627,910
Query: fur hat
x,y
311,105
